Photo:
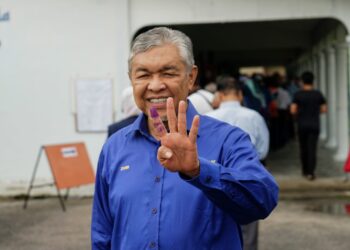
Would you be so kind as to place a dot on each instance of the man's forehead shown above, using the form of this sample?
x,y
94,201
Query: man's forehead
x,y
146,67
164,59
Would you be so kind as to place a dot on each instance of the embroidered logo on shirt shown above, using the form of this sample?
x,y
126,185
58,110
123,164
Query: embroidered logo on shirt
x,y
213,161
123,168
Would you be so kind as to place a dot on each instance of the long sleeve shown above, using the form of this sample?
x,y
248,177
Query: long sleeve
x,y
238,183
101,225
263,137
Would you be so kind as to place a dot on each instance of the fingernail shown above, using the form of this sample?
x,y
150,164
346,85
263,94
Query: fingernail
x,y
168,154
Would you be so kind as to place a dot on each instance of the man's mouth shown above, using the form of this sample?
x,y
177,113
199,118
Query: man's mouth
x,y
158,100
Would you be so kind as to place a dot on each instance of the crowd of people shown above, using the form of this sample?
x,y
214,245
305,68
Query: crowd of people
x,y
270,96
288,106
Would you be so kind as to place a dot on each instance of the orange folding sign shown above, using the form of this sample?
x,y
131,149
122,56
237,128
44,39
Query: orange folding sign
x,y
70,165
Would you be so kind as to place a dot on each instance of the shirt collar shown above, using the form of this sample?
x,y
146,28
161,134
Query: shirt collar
x,y
230,104
140,124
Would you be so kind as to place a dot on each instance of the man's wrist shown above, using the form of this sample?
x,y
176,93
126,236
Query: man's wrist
x,y
193,173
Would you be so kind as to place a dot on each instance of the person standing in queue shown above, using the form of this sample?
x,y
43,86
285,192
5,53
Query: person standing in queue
x,y
174,179
307,105
230,95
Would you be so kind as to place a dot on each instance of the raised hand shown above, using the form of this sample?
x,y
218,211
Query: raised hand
x,y
178,151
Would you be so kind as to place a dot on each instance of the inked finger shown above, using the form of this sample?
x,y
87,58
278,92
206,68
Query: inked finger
x,y
157,123
181,118
171,114
194,129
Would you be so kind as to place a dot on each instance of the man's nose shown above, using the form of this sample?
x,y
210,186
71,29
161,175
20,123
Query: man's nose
x,y
156,84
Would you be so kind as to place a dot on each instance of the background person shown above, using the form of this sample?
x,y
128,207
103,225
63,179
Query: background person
x,y
230,110
307,105
129,109
202,100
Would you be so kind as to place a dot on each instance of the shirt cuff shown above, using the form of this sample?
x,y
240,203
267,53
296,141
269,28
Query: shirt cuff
x,y
209,175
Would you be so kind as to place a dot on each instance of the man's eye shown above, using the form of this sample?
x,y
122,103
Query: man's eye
x,y
143,76
169,74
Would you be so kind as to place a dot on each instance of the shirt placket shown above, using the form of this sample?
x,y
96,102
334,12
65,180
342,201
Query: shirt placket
x,y
155,203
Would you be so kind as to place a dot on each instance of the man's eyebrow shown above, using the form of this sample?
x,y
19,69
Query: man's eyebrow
x,y
165,68
141,70
170,67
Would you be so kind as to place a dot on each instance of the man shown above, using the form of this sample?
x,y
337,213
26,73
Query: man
x,y
187,184
307,105
129,109
230,96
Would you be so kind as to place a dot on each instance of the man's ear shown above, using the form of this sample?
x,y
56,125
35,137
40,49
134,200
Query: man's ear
x,y
192,77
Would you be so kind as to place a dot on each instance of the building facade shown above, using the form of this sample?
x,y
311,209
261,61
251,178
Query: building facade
x,y
46,46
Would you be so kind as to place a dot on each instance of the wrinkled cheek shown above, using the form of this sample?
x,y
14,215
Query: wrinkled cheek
x,y
140,103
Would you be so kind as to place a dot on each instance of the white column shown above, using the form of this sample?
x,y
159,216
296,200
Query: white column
x,y
322,84
331,99
123,48
342,102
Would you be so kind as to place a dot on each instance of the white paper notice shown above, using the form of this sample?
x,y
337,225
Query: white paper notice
x,y
69,152
94,100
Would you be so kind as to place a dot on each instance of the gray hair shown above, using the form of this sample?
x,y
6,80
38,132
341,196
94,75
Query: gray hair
x,y
160,36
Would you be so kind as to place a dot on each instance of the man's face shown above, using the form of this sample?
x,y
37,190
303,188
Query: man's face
x,y
157,74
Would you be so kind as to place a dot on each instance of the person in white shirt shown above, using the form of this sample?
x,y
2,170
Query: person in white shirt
x,y
202,101
230,110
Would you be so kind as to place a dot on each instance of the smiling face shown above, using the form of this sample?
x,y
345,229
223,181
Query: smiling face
x,y
160,73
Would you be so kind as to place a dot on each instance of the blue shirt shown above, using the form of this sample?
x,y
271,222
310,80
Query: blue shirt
x,y
138,204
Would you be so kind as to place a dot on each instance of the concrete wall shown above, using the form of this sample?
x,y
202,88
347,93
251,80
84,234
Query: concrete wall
x,y
47,44
210,11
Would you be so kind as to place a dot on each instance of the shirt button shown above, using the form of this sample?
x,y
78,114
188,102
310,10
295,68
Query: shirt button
x,y
154,210
157,179
152,244
208,179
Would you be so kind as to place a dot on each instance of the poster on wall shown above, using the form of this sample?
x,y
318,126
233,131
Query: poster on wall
x,y
94,104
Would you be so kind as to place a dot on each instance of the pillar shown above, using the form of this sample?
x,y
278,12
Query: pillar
x,y
331,99
342,101
322,84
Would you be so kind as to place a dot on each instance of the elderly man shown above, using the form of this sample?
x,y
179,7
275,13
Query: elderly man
x,y
174,179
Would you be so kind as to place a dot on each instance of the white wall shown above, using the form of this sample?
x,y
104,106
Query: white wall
x,y
45,46
156,12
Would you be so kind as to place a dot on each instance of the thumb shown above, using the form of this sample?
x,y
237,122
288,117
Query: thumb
x,y
164,153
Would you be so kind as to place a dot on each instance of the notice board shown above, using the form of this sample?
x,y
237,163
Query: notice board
x,y
70,165
94,104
